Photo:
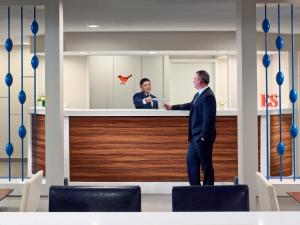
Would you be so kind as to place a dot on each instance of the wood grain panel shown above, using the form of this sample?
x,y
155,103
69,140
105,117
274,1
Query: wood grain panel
x,y
286,139
152,148
40,143
143,149
225,157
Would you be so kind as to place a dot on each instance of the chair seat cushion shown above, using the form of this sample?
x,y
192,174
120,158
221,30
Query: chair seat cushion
x,y
94,199
211,198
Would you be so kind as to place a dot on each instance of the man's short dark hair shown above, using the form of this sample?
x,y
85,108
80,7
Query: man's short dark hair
x,y
143,81
204,76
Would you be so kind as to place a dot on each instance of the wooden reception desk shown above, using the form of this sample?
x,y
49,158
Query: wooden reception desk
x,y
149,145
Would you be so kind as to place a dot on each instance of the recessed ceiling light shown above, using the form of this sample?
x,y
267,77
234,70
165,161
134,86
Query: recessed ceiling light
x,y
93,26
152,52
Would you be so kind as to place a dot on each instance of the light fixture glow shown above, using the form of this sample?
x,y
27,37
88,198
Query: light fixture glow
x,y
152,52
93,26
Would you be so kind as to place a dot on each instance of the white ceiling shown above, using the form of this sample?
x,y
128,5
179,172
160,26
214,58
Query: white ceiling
x,y
145,15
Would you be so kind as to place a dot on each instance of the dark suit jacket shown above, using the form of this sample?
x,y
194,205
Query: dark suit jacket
x,y
138,101
202,119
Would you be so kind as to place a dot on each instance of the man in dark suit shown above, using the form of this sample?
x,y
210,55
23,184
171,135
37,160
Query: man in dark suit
x,y
202,130
144,99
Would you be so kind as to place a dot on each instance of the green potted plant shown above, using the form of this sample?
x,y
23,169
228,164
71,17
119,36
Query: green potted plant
x,y
42,98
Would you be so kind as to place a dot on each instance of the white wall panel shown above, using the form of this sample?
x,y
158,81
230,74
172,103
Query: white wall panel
x,y
101,81
75,82
123,93
221,83
181,77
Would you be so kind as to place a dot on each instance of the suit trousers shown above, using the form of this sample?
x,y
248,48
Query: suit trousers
x,y
200,155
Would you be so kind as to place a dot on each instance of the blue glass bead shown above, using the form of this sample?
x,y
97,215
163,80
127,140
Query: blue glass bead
x,y
279,42
22,97
34,62
8,44
266,60
294,130
34,27
22,132
9,149
293,96
280,148
279,78
8,79
266,25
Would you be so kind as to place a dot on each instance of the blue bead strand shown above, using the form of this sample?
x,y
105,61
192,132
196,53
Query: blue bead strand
x,y
9,148
279,79
266,61
34,65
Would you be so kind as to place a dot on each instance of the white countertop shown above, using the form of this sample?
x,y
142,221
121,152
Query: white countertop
x,y
152,218
146,112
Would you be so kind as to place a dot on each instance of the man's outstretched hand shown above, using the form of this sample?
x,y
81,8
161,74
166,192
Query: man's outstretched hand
x,y
168,107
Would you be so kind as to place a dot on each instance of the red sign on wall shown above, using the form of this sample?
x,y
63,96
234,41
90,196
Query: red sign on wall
x,y
272,101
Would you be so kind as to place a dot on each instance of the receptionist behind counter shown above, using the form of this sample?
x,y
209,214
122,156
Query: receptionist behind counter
x,y
144,99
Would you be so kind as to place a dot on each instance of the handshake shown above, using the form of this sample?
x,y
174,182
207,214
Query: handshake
x,y
168,107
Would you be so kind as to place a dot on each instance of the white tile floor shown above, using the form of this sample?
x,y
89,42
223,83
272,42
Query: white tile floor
x,y
150,203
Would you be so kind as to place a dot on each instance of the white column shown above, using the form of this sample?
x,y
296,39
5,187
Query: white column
x,y
247,95
54,92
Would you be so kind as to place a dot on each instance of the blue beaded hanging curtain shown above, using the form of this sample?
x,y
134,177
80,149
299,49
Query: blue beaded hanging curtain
x,y
9,81
9,148
280,80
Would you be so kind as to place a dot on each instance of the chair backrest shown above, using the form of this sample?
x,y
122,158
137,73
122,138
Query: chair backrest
x,y
210,198
266,194
94,199
31,194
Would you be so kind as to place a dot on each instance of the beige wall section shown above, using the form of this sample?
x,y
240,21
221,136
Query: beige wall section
x,y
122,93
153,68
106,91
181,75
232,63
162,41
221,83
101,81
75,81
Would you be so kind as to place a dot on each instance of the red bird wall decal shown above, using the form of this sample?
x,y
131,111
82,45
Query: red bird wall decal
x,y
124,79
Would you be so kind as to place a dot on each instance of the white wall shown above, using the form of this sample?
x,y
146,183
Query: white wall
x,y
181,75
231,93
221,83
106,91
76,89
76,84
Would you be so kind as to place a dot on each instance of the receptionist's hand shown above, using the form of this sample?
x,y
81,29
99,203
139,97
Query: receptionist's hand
x,y
168,107
148,99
